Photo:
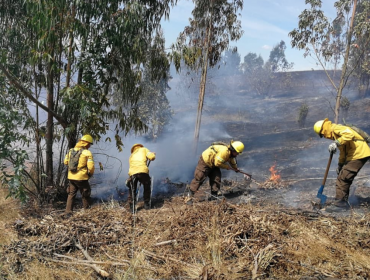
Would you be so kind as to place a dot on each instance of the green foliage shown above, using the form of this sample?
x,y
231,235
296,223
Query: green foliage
x,y
332,41
302,115
345,103
12,157
262,76
230,63
277,60
84,58
214,24
359,59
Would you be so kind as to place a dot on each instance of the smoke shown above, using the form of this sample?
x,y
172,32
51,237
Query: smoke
x,y
266,125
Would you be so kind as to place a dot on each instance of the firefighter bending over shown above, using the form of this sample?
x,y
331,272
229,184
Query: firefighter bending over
x,y
353,154
139,172
210,162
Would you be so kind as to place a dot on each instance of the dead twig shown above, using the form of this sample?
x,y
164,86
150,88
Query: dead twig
x,y
122,263
166,242
93,266
154,256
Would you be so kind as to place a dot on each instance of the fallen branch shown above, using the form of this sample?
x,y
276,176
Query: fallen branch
x,y
92,262
166,242
154,256
93,266
261,260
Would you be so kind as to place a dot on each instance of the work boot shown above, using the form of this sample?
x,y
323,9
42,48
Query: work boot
x,y
67,215
341,203
146,205
189,198
338,206
214,196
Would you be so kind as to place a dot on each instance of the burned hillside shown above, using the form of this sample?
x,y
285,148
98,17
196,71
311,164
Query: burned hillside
x,y
270,227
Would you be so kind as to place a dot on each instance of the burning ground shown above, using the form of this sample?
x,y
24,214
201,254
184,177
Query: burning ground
x,y
269,228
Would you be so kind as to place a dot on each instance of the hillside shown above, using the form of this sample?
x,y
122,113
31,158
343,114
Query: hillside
x,y
270,228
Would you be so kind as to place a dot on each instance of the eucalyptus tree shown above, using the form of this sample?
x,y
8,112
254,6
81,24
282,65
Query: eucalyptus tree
x,y
360,51
262,76
80,57
153,108
319,36
213,25
230,63
277,60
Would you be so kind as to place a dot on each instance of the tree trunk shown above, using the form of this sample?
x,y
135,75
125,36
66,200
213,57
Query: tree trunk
x,y
345,62
203,80
49,126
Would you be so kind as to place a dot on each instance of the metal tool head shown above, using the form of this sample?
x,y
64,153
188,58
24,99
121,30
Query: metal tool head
x,y
321,196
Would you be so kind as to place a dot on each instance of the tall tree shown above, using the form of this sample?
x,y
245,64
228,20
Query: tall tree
x,y
261,76
75,55
230,63
359,53
153,107
277,60
315,34
214,24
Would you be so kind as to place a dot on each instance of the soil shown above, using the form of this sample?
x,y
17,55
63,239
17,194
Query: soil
x,y
264,228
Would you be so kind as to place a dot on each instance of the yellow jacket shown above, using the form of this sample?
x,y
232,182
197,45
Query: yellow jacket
x,y
351,144
219,156
85,165
138,160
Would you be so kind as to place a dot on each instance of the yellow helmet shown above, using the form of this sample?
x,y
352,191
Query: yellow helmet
x,y
237,146
87,138
134,146
318,127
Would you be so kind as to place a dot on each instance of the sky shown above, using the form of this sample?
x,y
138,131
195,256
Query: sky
x,y
265,24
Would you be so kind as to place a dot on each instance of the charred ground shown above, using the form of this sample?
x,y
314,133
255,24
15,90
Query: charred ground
x,y
264,229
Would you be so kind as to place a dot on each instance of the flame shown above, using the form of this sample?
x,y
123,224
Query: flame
x,y
274,176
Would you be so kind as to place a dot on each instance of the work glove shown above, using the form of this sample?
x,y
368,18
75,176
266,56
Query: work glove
x,y
332,148
339,168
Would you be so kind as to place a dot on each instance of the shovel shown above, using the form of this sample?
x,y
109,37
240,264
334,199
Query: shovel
x,y
321,189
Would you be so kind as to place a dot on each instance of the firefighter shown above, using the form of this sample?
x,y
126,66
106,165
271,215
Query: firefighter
x,y
79,180
139,172
353,154
218,155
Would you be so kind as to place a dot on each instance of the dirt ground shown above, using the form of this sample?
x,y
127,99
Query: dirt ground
x,y
260,229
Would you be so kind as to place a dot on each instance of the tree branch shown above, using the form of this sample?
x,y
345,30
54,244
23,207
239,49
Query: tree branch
x,y
14,81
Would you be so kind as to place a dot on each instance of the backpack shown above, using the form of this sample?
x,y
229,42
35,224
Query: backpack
x,y
74,157
219,143
362,133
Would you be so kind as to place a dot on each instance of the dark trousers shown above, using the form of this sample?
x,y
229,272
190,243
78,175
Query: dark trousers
x,y
346,177
202,171
78,185
145,180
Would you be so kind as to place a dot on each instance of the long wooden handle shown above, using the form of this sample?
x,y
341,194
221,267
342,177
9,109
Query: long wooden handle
x,y
327,169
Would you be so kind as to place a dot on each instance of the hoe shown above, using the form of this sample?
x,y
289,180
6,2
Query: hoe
x,y
321,189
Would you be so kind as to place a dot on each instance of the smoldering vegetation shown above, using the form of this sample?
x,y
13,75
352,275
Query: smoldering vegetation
x,y
267,228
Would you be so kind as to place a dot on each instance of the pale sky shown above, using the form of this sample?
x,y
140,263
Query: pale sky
x,y
265,24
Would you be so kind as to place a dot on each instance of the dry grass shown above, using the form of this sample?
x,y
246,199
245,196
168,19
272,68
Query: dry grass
x,y
203,241
9,211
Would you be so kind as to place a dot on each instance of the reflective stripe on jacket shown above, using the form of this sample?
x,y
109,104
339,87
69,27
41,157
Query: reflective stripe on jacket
x,y
351,146
219,156
85,165
138,160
